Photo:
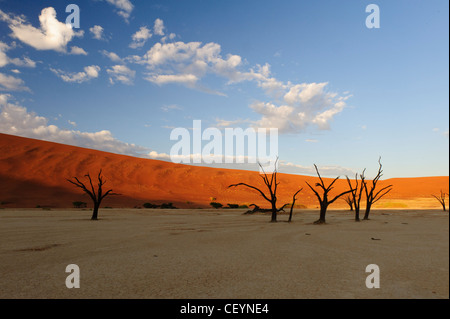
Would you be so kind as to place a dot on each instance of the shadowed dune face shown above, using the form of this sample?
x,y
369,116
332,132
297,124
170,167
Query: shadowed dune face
x,y
34,172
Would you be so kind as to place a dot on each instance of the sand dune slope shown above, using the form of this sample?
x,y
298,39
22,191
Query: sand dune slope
x,y
34,172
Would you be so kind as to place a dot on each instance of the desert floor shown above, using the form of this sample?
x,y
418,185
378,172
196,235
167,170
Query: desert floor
x,y
140,253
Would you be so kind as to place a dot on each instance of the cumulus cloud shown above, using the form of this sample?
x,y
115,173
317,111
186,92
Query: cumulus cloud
x,y
90,72
17,120
124,7
11,83
4,59
297,106
112,56
304,104
77,51
97,32
187,63
51,35
121,73
158,28
140,37
187,79
171,36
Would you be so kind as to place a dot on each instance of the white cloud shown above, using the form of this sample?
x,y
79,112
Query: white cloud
x,y
112,56
121,73
125,7
140,37
187,63
167,108
305,104
16,120
294,107
168,37
72,123
90,72
311,141
97,32
158,28
15,71
4,59
52,34
187,79
330,171
11,83
77,51
25,62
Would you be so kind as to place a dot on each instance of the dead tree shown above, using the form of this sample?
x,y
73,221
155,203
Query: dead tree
x,y
272,185
293,203
371,196
441,199
349,200
356,193
323,200
96,197
257,209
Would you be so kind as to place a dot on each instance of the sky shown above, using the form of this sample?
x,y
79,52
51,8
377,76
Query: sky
x,y
340,94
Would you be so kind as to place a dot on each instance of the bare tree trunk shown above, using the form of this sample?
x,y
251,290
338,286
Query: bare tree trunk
x,y
274,213
293,204
323,212
290,213
366,214
95,211
371,196
357,215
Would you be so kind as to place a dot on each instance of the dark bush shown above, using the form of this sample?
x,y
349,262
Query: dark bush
x,y
167,206
216,205
79,204
150,205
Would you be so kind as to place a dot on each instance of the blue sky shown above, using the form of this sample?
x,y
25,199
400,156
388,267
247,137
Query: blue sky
x,y
134,70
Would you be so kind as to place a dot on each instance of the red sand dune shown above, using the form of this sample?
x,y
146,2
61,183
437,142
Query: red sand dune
x,y
34,172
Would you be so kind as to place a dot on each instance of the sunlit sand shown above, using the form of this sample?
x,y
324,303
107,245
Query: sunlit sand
x,y
146,253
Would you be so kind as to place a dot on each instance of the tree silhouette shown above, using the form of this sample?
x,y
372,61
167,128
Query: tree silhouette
x,y
293,203
356,193
441,199
272,185
349,200
96,197
323,200
371,196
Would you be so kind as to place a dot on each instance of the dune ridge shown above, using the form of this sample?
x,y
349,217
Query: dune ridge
x,y
34,172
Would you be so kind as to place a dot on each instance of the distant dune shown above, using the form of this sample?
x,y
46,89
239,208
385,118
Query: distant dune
x,y
34,172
